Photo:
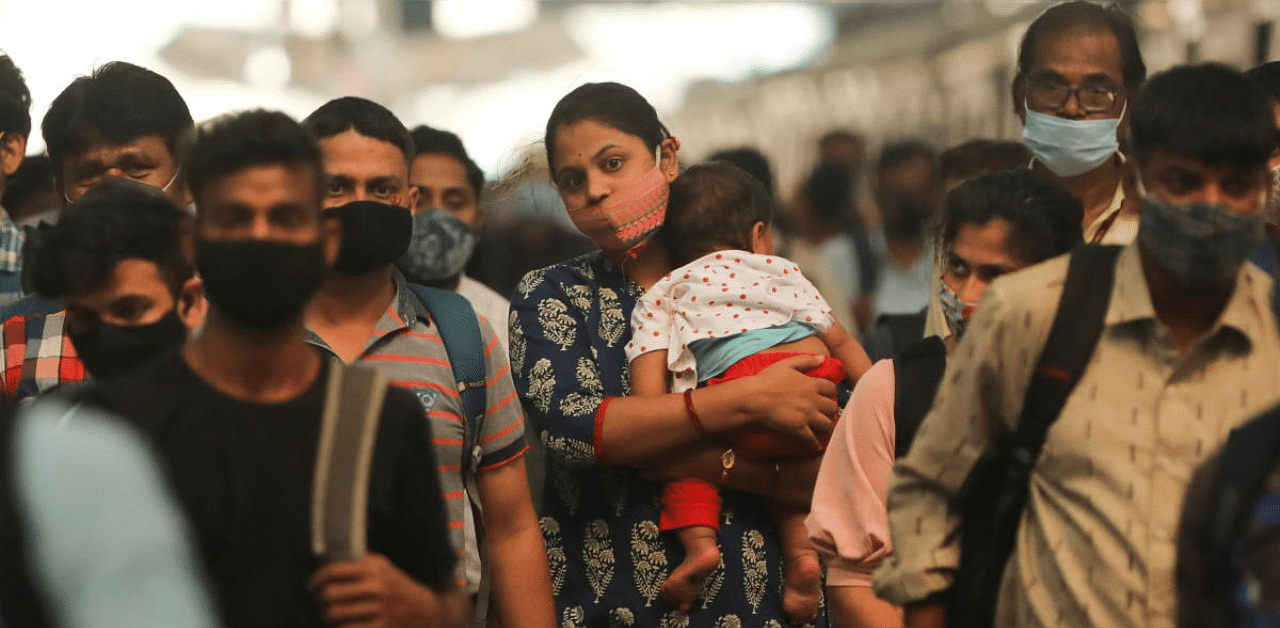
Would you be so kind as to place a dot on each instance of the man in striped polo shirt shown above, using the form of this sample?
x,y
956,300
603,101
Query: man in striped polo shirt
x,y
365,311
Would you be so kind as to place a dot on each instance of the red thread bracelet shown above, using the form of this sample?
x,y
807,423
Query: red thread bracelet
x,y
693,414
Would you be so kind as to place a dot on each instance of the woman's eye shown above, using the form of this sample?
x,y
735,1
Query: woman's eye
x,y
612,163
571,182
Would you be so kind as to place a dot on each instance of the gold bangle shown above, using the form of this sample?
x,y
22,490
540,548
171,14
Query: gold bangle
x,y
726,462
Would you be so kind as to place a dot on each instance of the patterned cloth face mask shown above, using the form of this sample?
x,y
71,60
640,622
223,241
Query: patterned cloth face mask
x,y
1202,244
1272,213
441,246
957,311
628,216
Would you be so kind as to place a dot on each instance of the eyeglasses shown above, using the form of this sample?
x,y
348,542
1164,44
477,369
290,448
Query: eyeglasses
x,y
1054,97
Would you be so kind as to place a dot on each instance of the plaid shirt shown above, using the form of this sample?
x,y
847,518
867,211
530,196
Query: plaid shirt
x,y
12,239
37,355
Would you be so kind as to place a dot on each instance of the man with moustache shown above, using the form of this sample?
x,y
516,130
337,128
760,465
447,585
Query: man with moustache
x,y
1187,351
235,413
365,311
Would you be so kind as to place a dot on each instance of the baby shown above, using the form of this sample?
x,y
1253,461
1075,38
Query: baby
x,y
729,310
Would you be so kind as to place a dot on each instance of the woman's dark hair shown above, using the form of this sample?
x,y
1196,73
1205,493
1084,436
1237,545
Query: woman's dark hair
x,y
1044,219
712,206
1207,112
612,104
1070,16
236,142
120,102
116,220
430,141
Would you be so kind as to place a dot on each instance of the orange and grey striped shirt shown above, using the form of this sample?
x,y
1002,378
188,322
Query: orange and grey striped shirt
x,y
407,346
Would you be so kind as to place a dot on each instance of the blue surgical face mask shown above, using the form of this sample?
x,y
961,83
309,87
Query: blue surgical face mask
x,y
1071,147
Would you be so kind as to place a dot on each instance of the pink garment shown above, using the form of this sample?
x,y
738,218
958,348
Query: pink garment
x,y
848,521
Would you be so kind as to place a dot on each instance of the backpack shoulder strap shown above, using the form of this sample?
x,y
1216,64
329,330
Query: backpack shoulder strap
x,y
463,341
460,330
917,372
353,400
1077,326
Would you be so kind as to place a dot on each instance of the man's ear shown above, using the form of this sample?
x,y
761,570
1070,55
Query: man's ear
x,y
412,198
330,239
1017,92
13,148
192,306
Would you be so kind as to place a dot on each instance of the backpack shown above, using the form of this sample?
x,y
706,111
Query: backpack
x,y
1246,460
994,495
460,331
918,371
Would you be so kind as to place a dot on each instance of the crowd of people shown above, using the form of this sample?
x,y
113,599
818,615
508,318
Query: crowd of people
x,y
248,381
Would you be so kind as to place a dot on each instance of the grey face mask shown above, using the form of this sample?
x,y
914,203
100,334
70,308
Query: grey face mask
x,y
1202,244
442,243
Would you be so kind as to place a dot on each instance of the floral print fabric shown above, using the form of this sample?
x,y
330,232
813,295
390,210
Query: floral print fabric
x,y
569,327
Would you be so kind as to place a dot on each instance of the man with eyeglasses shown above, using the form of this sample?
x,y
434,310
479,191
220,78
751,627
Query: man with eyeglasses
x,y
1078,67
1186,348
122,121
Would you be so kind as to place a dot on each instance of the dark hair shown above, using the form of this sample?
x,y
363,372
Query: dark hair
x,y
752,161
829,191
1267,77
1207,112
899,153
116,220
238,141
15,99
1080,15
612,104
120,102
366,117
713,205
979,156
33,176
1044,219
430,141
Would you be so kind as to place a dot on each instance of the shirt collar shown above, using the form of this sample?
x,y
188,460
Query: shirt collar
x,y
405,308
1131,298
12,239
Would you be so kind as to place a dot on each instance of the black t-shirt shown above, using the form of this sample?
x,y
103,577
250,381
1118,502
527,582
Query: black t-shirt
x,y
243,474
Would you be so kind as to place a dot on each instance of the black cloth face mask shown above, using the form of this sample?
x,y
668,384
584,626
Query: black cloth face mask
x,y
373,235
262,284
108,350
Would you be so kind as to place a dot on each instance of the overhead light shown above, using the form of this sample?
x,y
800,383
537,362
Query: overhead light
x,y
462,19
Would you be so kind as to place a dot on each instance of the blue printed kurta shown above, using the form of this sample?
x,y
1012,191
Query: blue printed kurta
x,y
569,327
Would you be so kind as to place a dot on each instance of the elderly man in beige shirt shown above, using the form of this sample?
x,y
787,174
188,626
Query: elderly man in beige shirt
x,y
1189,349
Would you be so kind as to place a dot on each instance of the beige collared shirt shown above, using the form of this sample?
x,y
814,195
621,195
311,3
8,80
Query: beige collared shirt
x,y
1095,546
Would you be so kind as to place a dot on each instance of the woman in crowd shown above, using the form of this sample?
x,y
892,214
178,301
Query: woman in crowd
x,y
611,161
990,226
